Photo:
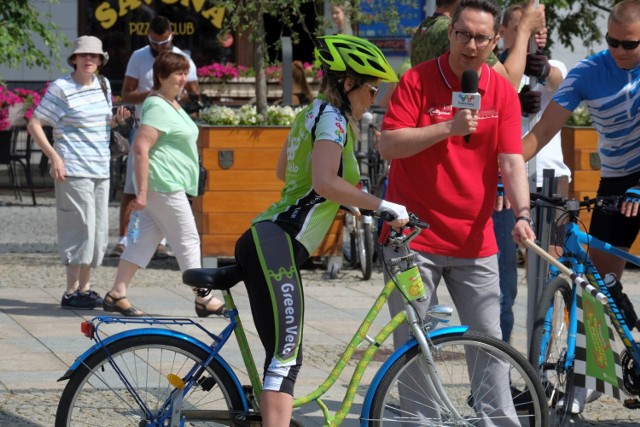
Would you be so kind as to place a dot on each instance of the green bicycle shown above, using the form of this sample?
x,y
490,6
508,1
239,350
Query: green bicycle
x,y
158,375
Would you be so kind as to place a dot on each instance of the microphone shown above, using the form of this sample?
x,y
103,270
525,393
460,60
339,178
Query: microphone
x,y
469,97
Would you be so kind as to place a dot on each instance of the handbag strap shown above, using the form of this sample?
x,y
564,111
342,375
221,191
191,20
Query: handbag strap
x,y
103,85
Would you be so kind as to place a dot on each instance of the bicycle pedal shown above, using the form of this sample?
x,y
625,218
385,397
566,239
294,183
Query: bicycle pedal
x,y
632,403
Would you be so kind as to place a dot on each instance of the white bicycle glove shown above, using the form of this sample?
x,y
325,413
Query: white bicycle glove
x,y
398,211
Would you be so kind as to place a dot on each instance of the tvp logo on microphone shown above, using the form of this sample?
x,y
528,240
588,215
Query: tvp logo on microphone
x,y
466,100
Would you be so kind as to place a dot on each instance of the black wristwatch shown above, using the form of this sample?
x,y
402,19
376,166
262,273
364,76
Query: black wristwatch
x,y
525,218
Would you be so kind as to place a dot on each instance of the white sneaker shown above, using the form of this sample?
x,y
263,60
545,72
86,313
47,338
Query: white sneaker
x,y
580,397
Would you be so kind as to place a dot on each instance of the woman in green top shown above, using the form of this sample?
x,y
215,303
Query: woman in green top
x,y
166,171
320,171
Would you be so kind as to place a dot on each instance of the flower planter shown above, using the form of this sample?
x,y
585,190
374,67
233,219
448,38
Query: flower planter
x,y
241,183
243,88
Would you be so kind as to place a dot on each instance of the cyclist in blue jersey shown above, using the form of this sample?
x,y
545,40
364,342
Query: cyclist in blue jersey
x,y
609,84
319,170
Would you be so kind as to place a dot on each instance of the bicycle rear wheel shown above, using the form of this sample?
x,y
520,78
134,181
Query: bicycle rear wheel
x,y
549,347
95,394
487,381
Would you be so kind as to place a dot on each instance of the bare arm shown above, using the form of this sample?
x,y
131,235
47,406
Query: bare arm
x,y
516,185
401,143
37,133
130,93
552,120
532,21
146,138
554,79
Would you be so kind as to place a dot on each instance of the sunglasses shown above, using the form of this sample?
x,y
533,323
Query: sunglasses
x,y
162,43
373,91
626,44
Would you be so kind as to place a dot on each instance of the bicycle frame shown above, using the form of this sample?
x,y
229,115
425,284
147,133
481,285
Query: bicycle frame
x,y
235,326
581,264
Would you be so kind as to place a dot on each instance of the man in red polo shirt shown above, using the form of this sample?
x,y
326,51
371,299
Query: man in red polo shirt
x,y
449,182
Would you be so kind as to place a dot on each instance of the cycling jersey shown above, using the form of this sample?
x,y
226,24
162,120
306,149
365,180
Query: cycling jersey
x,y
300,209
612,96
282,238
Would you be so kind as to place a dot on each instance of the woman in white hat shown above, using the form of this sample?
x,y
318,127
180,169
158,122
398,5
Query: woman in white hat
x,y
79,111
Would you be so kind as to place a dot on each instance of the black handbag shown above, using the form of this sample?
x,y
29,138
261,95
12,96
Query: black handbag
x,y
118,143
202,180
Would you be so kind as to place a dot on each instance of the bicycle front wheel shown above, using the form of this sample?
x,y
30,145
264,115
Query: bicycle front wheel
x,y
486,381
96,395
549,347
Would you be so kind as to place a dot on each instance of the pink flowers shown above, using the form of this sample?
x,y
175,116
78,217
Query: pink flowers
x,y
230,71
8,98
217,70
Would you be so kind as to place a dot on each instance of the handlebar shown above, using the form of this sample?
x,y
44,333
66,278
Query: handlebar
x,y
609,204
414,221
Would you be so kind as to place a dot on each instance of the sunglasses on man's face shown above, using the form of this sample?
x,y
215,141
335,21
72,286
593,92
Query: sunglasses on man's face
x,y
626,44
160,43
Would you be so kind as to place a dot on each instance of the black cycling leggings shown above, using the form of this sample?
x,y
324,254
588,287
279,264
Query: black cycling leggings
x,y
270,259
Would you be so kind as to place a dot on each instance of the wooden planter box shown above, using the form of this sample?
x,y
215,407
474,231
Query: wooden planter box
x,y
580,152
241,183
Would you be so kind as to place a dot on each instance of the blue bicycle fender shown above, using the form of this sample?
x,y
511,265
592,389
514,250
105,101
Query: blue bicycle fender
x,y
375,383
159,332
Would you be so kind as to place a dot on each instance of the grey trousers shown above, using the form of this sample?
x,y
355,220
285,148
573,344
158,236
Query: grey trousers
x,y
473,284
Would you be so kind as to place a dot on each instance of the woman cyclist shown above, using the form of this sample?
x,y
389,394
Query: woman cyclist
x,y
319,169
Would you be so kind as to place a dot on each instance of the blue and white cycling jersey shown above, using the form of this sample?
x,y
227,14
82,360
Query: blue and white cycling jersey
x,y
612,96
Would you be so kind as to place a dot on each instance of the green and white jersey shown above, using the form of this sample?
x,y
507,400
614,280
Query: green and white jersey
x,y
300,208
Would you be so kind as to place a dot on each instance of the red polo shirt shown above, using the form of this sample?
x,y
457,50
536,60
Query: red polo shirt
x,y
452,184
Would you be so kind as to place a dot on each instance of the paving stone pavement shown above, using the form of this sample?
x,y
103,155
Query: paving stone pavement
x,y
38,340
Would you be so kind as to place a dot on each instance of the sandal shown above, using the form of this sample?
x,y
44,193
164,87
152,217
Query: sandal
x,y
203,311
130,311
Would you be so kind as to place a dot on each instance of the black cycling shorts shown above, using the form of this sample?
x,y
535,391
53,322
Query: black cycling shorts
x,y
270,260
614,228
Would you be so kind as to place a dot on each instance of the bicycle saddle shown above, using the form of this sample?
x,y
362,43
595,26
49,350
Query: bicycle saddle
x,y
222,278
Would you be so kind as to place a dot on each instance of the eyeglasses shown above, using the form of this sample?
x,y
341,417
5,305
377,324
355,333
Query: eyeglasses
x,y
162,43
373,90
481,40
626,44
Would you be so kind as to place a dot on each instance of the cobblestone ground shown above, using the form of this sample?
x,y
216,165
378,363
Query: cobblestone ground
x,y
28,259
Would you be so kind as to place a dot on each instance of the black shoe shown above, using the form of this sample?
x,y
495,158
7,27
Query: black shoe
x,y
94,296
80,301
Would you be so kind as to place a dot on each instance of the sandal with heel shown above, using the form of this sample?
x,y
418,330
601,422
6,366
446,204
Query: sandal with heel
x,y
113,306
202,311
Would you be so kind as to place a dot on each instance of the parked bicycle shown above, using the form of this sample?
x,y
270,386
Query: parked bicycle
x,y
553,342
156,376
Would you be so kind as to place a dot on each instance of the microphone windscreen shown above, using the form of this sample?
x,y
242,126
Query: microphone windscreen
x,y
469,81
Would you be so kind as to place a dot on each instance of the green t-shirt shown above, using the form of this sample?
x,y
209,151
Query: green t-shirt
x,y
301,210
431,40
173,160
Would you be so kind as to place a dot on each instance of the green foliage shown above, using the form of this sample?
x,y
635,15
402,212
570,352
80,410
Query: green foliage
x,y
573,19
23,26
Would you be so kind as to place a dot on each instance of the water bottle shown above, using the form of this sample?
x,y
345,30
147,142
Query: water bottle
x,y
622,301
134,227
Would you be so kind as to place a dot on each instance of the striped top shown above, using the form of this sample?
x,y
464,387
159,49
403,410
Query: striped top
x,y
80,118
612,96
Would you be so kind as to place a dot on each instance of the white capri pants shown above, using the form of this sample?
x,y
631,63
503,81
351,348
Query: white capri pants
x,y
166,215
82,213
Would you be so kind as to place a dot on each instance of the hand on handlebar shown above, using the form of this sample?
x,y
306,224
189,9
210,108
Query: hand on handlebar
x,y
398,212
631,202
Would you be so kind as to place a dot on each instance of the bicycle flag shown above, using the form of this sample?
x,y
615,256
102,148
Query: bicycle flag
x,y
597,364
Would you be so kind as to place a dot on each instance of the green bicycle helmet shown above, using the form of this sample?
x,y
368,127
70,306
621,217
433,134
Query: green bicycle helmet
x,y
341,51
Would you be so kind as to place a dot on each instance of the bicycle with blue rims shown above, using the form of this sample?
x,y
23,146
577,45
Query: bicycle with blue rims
x,y
553,339
157,373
